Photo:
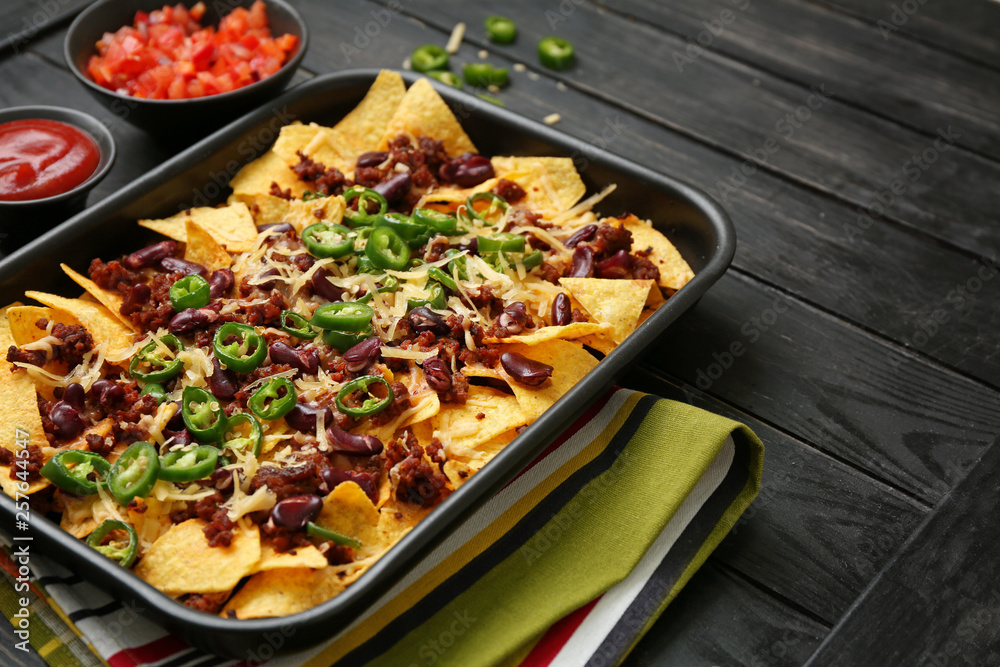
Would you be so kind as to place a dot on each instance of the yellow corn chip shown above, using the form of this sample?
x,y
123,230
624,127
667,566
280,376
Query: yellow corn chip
x,y
324,209
460,427
348,511
570,363
108,298
307,556
256,177
265,209
573,330
98,320
422,113
617,302
600,342
288,591
22,322
674,271
321,144
232,225
457,472
152,522
551,184
367,123
203,249
182,562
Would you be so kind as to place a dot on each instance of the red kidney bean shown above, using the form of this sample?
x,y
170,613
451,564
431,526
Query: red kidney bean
x,y
74,395
333,476
467,170
585,233
108,391
302,417
524,370
192,319
150,255
324,288
424,319
66,419
178,265
295,512
176,422
306,360
268,285
222,479
562,310
181,437
350,443
619,265
219,282
438,375
221,383
514,317
371,159
137,296
395,187
583,262
364,353
472,246
276,228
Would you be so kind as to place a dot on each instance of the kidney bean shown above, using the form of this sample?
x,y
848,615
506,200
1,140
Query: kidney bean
x,y
324,288
108,391
66,419
524,370
562,310
364,353
585,233
181,437
371,159
178,265
438,375
276,227
221,382
150,255
295,512
137,297
74,395
219,282
472,246
306,360
583,262
176,422
222,479
424,319
268,285
350,443
467,170
619,265
514,317
191,319
333,476
302,417
395,187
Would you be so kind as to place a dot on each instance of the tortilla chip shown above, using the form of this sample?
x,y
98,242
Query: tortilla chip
x,y
367,123
321,144
21,320
617,302
307,556
256,177
422,113
152,520
323,209
482,453
288,591
110,299
98,320
265,209
182,562
460,428
552,184
203,249
349,511
570,363
573,330
232,225
600,342
450,194
674,271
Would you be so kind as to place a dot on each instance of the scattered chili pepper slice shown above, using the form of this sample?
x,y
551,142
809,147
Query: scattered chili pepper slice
x,y
496,203
156,390
328,240
245,353
435,298
369,406
482,75
414,233
189,463
500,29
556,53
202,414
151,357
365,196
435,273
251,441
447,78
345,340
299,327
504,241
123,555
428,58
134,473
70,471
343,316
387,250
333,536
189,292
439,221
268,402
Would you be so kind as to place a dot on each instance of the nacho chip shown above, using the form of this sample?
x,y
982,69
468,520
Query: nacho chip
x,y
108,298
366,124
265,209
182,562
600,342
461,428
422,113
21,320
674,271
322,144
98,320
232,226
570,363
349,511
552,184
255,178
202,248
288,591
617,302
307,556
572,330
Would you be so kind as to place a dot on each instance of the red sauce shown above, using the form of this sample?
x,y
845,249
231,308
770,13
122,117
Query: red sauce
x,y
43,158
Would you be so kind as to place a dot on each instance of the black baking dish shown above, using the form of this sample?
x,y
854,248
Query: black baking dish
x,y
198,176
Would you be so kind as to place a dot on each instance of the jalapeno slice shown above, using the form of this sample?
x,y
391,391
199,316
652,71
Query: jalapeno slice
x,y
459,265
505,241
500,30
125,554
414,233
428,58
343,316
274,399
447,78
435,298
482,75
369,406
238,347
189,292
387,250
437,274
150,365
297,325
440,222
556,53
328,240
70,469
202,414
134,473
365,196
243,432
156,390
322,533
345,340
496,204
189,463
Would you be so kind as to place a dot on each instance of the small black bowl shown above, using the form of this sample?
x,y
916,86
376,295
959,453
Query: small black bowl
x,y
189,117
69,202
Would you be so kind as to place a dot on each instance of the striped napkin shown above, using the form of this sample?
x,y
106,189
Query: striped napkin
x,y
569,564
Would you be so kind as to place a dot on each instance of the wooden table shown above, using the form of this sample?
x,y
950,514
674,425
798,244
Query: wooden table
x,y
856,145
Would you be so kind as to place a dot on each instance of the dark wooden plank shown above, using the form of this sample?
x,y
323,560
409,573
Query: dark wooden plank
x,y
806,43
819,530
720,620
835,148
938,603
968,27
21,21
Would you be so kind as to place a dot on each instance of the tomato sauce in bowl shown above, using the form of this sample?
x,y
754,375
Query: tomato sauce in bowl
x,y
42,158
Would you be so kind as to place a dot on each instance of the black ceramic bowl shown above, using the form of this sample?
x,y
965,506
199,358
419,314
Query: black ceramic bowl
x,y
72,200
190,116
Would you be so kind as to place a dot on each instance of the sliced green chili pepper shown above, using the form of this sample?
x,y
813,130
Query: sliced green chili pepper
x,y
345,340
447,78
556,53
245,353
123,555
435,298
309,195
343,316
438,221
160,369
500,29
189,292
387,250
365,265
458,265
496,203
189,463
369,406
482,75
299,326
134,473
504,241
269,403
202,415
390,284
437,274
365,196
328,240
74,479
156,390
250,441
333,536
428,58
414,233
532,259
